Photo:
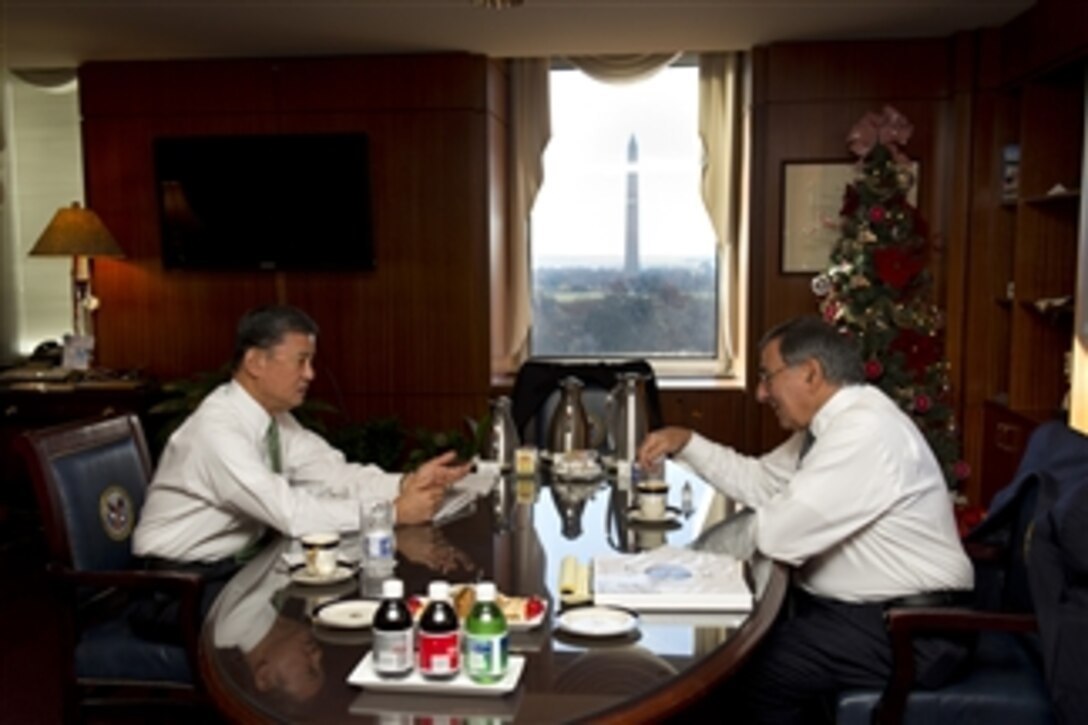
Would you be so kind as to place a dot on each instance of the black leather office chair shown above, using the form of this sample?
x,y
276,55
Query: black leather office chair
x,y
1032,597
536,394
90,478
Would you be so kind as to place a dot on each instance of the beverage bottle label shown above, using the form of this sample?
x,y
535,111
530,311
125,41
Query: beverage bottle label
x,y
379,544
393,651
486,656
439,653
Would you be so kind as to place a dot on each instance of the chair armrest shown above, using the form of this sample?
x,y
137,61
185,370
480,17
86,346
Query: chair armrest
x,y
187,587
905,624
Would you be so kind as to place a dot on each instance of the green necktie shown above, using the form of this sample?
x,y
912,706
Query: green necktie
x,y
272,440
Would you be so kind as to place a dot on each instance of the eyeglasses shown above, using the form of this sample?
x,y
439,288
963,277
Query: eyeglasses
x,y
765,376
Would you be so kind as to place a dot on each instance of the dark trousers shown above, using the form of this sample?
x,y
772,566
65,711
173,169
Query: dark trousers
x,y
819,647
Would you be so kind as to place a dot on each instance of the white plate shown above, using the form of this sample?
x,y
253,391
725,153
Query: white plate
x,y
301,576
364,676
348,614
597,622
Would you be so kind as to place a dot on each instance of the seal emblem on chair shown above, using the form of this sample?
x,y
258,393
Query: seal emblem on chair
x,y
116,512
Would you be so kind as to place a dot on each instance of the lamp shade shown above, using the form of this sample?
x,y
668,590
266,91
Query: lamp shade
x,y
75,231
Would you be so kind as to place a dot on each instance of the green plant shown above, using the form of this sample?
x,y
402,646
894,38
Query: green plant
x,y
429,444
379,441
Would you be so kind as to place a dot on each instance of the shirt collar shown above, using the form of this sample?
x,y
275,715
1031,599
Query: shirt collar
x,y
250,412
839,400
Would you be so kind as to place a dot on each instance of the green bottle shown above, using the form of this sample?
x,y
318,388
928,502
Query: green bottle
x,y
486,637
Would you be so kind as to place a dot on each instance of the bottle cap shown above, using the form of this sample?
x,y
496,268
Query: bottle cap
x,y
438,590
485,591
392,589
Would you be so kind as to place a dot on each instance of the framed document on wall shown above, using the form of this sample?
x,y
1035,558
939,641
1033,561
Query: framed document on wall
x,y
812,193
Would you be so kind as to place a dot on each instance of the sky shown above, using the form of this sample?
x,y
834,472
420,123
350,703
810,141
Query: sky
x,y
581,208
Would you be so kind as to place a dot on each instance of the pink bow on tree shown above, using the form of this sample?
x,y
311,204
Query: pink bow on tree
x,y
889,128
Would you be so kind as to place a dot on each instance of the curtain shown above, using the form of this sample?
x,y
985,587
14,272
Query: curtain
x,y
721,128
621,68
529,131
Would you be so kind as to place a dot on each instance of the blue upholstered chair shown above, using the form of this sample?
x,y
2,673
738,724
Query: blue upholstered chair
x,y
90,479
1031,589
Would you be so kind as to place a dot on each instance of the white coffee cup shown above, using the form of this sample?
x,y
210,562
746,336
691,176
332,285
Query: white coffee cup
x,y
321,551
652,500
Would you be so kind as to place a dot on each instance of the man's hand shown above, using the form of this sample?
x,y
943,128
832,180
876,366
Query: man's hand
x,y
661,443
423,489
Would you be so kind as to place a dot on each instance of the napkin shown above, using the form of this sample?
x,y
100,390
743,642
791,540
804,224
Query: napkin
x,y
573,581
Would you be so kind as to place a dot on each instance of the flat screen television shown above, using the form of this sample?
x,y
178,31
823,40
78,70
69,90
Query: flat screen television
x,y
265,202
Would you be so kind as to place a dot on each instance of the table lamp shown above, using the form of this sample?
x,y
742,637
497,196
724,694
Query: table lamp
x,y
79,233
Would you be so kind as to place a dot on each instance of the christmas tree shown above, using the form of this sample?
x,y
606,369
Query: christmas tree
x,y
878,290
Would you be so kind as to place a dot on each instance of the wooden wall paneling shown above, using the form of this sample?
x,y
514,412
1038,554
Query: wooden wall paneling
x,y
951,266
1052,108
807,97
1046,35
415,329
719,415
425,81
846,71
174,88
151,319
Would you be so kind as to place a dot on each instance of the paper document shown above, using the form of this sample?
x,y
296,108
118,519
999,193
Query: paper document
x,y
462,494
668,578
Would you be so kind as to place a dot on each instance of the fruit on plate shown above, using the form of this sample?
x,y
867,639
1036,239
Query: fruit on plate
x,y
516,609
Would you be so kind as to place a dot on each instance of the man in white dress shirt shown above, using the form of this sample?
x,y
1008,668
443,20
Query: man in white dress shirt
x,y
241,464
855,502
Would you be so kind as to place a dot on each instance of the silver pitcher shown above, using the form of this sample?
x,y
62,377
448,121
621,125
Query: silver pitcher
x,y
504,436
628,417
569,429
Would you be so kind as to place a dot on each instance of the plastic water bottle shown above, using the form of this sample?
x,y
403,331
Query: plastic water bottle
x,y
439,635
487,641
394,640
378,543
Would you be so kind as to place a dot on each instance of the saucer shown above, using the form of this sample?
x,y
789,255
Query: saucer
x,y
670,520
301,576
347,614
597,621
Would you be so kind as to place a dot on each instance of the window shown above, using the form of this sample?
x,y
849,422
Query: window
x,y
624,258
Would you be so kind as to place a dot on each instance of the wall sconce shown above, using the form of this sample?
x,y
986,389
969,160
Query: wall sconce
x,y
80,234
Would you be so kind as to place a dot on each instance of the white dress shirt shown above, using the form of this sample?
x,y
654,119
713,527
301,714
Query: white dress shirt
x,y
214,491
866,517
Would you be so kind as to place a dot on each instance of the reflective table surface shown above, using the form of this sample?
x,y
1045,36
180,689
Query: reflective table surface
x,y
264,658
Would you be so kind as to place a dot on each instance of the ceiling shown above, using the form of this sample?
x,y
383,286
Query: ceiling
x,y
64,33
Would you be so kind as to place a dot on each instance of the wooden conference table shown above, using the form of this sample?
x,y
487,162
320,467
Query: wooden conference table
x,y
296,670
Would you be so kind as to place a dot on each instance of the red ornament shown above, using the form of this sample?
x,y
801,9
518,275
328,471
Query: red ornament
x,y
895,267
922,403
877,214
920,351
961,470
873,369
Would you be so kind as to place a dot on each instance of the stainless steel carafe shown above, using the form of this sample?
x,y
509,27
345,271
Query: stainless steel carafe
x,y
504,436
569,430
628,416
